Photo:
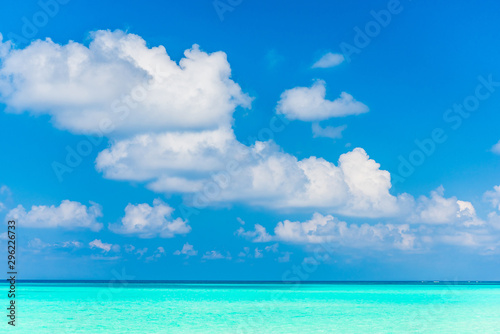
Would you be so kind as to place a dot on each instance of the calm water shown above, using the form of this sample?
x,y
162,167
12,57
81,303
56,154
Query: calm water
x,y
254,308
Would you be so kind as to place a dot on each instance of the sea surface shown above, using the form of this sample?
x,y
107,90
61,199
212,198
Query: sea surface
x,y
429,307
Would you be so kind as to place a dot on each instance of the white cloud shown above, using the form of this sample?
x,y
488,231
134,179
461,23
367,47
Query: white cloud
x,y
272,248
38,244
493,196
168,157
149,221
129,248
262,175
258,235
258,253
215,255
118,79
187,250
327,229
322,229
496,148
68,214
328,131
309,104
4,190
246,252
437,209
141,251
97,243
329,60
185,118
158,253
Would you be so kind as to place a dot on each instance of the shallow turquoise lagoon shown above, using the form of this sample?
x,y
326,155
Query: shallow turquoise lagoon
x,y
253,308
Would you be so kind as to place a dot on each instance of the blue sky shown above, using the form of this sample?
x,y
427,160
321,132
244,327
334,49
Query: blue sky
x,y
252,121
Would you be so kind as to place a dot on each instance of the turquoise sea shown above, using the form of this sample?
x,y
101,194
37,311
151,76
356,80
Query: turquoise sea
x,y
253,308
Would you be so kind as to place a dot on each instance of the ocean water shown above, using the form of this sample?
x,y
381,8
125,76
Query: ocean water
x,y
253,308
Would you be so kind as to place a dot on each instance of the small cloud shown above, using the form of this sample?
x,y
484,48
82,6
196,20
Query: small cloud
x,y
147,221
258,253
258,235
129,248
4,190
493,196
97,243
158,253
215,255
68,214
272,248
141,252
496,148
329,60
37,245
310,104
72,244
245,253
328,131
241,221
187,250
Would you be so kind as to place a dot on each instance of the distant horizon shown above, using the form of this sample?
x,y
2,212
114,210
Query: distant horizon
x,y
257,282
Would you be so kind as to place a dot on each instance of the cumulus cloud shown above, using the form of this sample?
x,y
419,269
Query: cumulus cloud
x,y
68,215
310,104
97,243
173,129
82,87
321,229
328,229
260,175
187,250
215,255
437,209
148,221
329,60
